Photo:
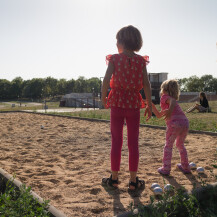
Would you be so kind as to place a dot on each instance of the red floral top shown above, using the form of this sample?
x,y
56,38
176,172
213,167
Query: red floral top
x,y
126,81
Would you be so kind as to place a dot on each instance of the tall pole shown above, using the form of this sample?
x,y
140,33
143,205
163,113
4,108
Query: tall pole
x,y
101,87
93,99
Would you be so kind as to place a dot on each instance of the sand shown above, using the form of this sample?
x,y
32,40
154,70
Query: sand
x,y
65,162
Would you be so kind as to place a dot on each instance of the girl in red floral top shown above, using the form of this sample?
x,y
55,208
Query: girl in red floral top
x,y
127,75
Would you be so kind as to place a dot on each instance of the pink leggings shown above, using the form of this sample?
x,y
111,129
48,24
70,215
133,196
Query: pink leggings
x,y
132,117
176,130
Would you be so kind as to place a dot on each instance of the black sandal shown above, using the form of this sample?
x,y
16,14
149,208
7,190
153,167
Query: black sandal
x,y
109,182
139,184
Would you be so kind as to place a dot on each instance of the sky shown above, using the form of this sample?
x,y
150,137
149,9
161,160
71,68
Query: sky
x,y
71,38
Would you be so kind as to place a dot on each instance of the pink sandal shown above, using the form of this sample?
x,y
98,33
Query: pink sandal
x,y
185,171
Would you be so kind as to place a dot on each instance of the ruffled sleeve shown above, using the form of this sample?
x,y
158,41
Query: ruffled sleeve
x,y
109,58
146,58
164,98
163,103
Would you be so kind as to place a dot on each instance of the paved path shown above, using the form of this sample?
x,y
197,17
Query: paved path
x,y
62,110
23,103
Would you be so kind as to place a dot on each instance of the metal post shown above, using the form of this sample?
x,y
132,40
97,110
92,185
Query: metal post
x,y
45,106
93,100
101,87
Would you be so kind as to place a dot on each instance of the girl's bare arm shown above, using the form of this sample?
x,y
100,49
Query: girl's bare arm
x,y
147,90
105,83
155,111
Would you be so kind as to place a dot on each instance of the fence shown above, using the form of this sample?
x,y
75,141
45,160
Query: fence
x,y
81,103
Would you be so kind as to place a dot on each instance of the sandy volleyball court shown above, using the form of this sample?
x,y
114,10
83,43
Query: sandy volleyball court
x,y
65,161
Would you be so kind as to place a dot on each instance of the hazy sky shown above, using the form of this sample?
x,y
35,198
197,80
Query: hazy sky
x,y
70,38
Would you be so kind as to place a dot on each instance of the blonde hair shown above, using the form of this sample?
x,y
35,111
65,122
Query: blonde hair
x,y
171,87
130,37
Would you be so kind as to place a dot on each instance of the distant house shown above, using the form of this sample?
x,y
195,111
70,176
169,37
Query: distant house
x,y
81,100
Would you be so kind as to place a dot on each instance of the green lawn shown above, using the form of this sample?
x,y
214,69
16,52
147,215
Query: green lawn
x,y
7,106
198,121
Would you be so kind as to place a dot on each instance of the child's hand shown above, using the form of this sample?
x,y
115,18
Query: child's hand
x,y
148,110
162,113
145,102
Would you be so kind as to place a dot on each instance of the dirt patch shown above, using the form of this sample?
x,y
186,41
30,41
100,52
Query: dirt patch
x,y
65,162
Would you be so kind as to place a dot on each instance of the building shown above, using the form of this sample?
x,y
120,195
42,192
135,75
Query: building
x,y
80,100
156,79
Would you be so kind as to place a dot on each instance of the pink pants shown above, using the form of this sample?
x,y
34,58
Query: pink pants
x,y
132,116
176,130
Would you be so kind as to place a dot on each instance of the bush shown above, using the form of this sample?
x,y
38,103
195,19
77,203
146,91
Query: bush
x,y
200,203
19,202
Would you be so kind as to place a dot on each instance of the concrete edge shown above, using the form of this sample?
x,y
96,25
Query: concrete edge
x,y
103,120
195,191
6,176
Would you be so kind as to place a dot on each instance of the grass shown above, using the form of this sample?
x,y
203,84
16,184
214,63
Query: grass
x,y
7,106
19,202
198,121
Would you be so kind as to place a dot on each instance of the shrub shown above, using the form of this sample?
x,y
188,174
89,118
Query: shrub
x,y
19,202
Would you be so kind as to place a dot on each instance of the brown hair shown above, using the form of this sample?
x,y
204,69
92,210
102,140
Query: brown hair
x,y
171,87
130,37
203,95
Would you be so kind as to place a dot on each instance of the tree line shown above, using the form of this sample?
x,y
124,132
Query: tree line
x,y
37,88
206,83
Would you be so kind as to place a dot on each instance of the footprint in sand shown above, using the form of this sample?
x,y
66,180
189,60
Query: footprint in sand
x,y
57,197
54,181
68,181
95,191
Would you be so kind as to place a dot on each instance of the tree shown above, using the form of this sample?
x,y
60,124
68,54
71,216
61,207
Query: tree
x,y
194,84
62,86
93,85
16,87
70,86
50,86
5,87
182,83
80,85
33,88
213,85
207,81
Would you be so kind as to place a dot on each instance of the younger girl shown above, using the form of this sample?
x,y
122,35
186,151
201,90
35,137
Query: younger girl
x,y
203,106
177,126
128,75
